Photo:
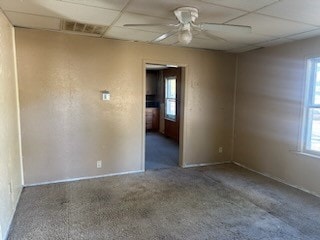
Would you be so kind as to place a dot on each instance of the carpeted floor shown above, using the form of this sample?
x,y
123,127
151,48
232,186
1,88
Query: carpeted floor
x,y
161,152
221,202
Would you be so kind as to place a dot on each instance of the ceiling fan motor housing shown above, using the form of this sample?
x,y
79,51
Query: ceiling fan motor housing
x,y
186,14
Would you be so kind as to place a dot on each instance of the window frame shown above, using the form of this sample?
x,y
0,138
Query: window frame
x,y
311,79
169,116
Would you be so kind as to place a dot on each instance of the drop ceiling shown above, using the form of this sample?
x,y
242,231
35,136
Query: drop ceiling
x,y
273,21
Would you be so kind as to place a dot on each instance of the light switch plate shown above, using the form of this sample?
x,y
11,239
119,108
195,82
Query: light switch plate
x,y
106,96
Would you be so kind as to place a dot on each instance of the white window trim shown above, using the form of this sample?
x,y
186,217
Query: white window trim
x,y
167,116
307,104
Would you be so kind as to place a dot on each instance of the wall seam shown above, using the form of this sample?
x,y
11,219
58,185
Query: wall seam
x,y
18,104
277,179
235,90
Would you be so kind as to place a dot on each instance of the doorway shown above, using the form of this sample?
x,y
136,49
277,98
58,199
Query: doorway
x,y
162,115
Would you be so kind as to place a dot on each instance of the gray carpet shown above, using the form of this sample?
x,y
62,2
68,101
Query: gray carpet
x,y
161,152
221,202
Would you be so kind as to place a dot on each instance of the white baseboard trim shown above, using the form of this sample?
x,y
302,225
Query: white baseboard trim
x,y
278,180
82,178
6,234
203,164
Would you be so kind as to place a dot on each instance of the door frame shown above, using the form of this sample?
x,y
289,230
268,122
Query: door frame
x,y
183,108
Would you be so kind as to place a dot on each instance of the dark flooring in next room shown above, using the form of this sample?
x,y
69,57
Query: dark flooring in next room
x,y
222,202
161,152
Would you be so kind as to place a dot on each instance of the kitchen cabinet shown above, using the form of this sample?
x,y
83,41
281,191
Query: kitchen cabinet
x,y
152,119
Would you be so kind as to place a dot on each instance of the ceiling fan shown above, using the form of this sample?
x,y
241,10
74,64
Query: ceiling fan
x,y
186,25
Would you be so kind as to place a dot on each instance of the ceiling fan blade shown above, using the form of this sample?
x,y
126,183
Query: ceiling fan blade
x,y
214,37
225,27
152,25
207,34
166,35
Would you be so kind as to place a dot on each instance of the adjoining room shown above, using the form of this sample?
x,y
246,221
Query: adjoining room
x,y
163,115
136,119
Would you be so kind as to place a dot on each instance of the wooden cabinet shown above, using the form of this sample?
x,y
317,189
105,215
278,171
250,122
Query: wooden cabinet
x,y
152,119
151,84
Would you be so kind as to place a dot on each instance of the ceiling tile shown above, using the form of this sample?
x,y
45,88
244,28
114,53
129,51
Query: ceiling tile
x,y
233,37
59,9
247,5
132,18
273,42
31,6
33,21
306,11
130,34
270,26
165,8
305,35
211,44
110,4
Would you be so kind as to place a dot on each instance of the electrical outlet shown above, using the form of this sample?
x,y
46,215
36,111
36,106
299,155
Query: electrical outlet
x,y
220,149
99,164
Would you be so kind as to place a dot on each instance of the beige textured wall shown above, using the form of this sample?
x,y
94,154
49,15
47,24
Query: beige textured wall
x,y
66,127
268,113
10,169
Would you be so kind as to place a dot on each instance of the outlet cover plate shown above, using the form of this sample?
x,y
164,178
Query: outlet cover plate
x,y
99,164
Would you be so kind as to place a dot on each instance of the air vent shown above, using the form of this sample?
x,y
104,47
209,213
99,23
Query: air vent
x,y
77,27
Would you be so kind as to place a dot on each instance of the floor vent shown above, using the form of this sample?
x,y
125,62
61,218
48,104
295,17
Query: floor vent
x,y
77,27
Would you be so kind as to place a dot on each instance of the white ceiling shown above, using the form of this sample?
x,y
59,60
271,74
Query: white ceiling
x,y
273,21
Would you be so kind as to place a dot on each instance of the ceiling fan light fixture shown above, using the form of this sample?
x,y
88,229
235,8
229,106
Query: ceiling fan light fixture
x,y
185,36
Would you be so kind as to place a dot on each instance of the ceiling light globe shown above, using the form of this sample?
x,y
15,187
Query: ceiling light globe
x,y
185,36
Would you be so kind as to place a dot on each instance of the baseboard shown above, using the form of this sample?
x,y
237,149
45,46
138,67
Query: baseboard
x,y
6,234
82,178
278,180
203,164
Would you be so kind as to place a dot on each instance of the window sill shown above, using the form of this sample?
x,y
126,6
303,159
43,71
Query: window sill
x,y
313,155
169,119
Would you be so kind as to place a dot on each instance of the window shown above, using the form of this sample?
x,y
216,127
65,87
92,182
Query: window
x,y
170,98
311,141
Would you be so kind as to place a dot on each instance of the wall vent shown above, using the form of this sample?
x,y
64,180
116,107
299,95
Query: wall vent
x,y
77,27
